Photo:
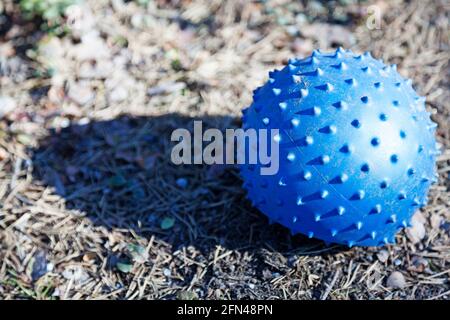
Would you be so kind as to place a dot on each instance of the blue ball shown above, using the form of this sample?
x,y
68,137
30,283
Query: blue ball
x,y
357,149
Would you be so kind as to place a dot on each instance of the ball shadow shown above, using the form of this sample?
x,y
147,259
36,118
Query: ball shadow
x,y
119,174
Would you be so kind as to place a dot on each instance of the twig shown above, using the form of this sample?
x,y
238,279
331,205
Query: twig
x,y
330,286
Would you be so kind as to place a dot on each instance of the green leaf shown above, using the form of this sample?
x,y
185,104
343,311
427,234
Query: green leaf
x,y
51,11
117,181
24,139
137,249
52,14
138,253
143,2
167,223
187,295
124,267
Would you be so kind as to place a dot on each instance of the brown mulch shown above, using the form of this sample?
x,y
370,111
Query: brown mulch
x,y
92,208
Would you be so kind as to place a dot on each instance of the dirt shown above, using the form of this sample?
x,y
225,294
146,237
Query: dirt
x,y
92,207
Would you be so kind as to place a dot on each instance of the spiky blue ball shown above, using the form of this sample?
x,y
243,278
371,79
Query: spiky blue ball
x,y
357,149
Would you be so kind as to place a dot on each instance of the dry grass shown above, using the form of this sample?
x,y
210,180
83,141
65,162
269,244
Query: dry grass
x,y
90,204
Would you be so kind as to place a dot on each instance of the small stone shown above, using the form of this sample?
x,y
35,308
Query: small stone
x,y
80,19
218,293
301,19
60,122
91,47
137,21
81,94
419,264
7,49
292,30
167,272
7,104
75,273
397,262
383,256
50,53
50,267
396,280
118,94
436,220
417,230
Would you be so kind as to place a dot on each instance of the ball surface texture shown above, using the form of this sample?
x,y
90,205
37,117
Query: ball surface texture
x,y
356,149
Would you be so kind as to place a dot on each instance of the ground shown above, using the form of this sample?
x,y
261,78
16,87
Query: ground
x,y
92,208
